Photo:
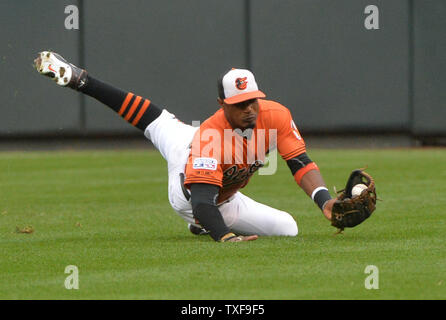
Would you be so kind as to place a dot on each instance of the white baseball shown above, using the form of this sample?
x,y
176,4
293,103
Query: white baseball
x,y
357,189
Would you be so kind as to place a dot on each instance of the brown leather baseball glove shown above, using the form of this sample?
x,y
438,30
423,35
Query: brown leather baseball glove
x,y
350,211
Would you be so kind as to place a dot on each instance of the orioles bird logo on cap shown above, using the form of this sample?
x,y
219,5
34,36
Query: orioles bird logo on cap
x,y
241,83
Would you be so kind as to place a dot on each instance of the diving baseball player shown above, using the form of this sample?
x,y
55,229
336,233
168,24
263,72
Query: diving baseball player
x,y
208,166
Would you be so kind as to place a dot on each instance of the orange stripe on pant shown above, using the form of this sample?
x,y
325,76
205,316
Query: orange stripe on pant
x,y
141,112
133,108
125,103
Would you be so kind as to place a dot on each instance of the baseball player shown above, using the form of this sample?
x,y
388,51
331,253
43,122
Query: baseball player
x,y
208,165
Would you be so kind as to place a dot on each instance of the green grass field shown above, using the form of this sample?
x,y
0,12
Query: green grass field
x,y
107,213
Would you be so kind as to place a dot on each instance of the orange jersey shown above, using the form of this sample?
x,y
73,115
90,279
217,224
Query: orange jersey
x,y
227,159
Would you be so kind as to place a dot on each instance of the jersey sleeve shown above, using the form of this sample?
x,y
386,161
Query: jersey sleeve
x,y
289,141
204,163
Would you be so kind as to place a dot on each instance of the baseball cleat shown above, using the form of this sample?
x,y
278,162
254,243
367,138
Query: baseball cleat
x,y
197,230
64,73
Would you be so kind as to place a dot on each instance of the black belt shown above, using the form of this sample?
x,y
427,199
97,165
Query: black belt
x,y
185,191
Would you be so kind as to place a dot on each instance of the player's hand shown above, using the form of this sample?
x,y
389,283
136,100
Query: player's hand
x,y
231,237
328,208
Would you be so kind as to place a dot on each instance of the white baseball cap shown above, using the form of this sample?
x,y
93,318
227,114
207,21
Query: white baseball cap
x,y
238,85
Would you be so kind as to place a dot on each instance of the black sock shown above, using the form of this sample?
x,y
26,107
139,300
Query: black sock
x,y
136,110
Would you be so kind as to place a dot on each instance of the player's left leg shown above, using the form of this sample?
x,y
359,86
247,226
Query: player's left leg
x,y
169,135
245,216
136,110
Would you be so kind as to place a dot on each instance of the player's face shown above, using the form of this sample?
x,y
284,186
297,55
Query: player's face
x,y
241,115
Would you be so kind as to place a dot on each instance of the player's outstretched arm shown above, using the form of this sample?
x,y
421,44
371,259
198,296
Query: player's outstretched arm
x,y
307,175
136,110
344,211
314,186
